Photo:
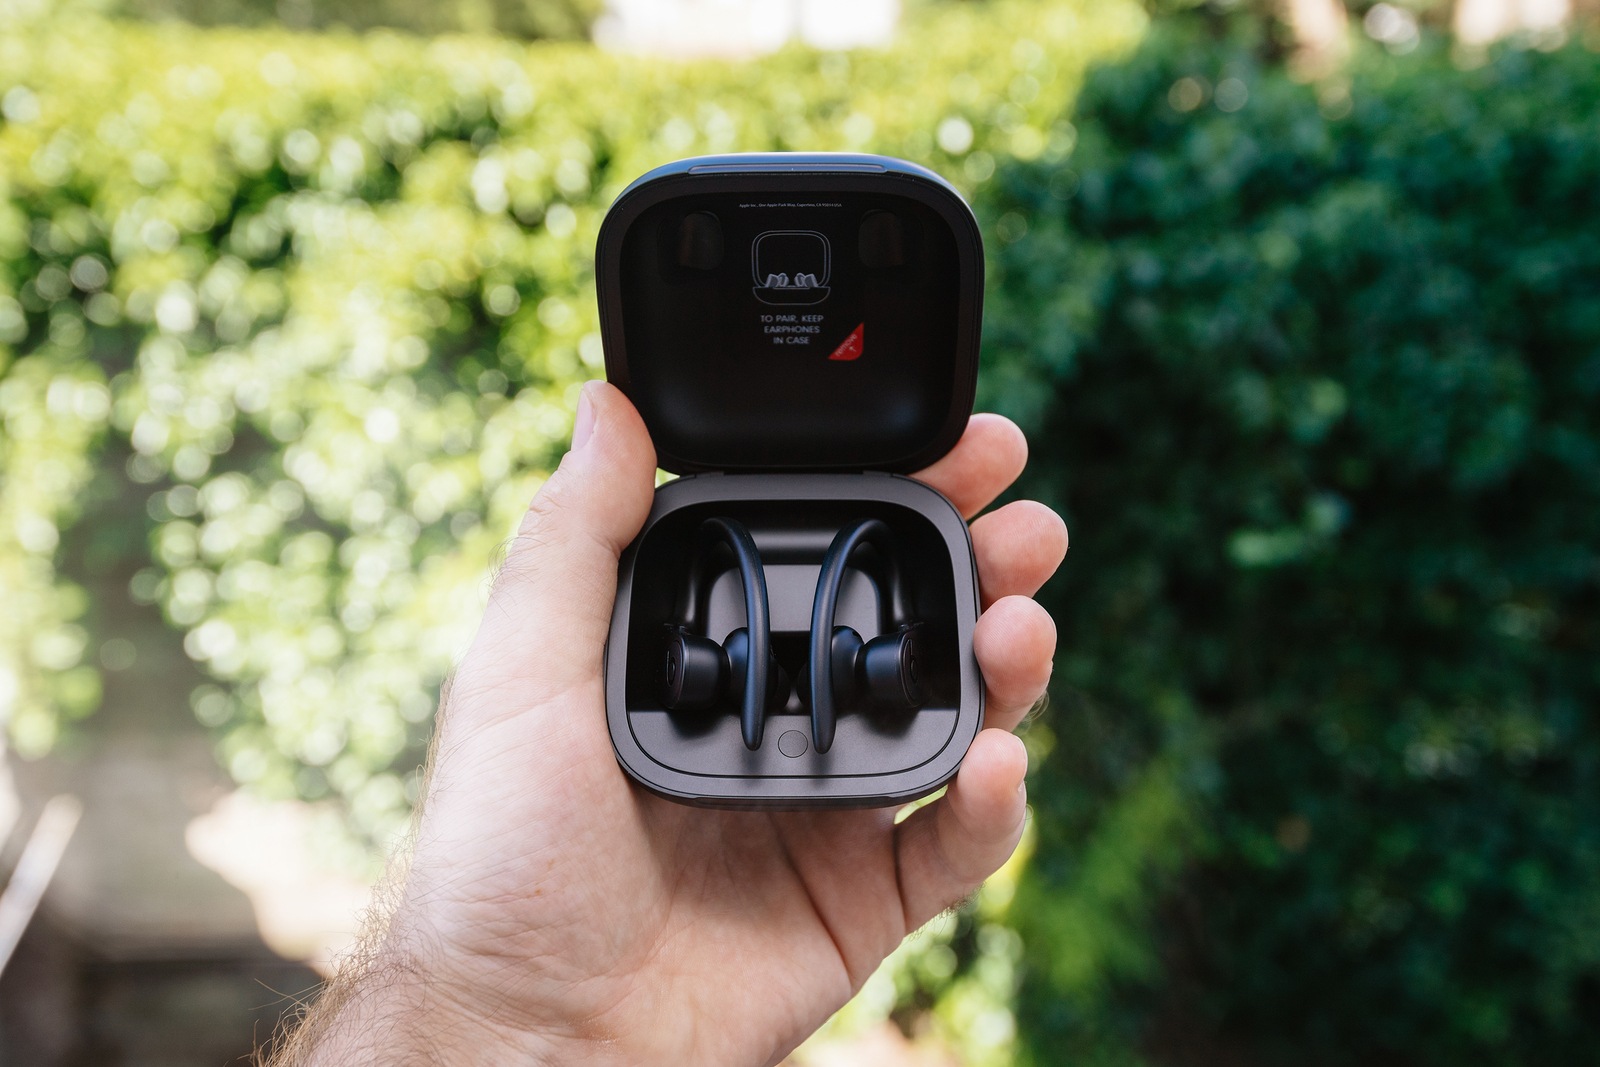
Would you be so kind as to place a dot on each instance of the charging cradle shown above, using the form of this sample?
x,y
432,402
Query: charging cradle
x,y
799,332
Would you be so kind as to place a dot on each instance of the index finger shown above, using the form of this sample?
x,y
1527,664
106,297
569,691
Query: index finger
x,y
981,466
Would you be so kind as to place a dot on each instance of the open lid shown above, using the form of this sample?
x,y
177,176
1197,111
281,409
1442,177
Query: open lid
x,y
793,312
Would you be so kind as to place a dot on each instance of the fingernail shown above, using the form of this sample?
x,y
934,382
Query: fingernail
x,y
583,422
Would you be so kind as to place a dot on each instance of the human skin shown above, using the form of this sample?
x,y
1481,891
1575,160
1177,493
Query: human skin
x,y
553,912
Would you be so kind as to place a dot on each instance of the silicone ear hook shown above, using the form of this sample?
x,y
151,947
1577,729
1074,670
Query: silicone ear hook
x,y
887,662
696,666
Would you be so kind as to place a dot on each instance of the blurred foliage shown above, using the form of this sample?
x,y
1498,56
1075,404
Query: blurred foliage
x,y
1311,370
291,327
564,19
1314,374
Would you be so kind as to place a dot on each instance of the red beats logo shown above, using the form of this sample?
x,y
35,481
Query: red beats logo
x,y
850,347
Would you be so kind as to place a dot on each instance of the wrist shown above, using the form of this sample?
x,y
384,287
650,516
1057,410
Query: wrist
x,y
395,1009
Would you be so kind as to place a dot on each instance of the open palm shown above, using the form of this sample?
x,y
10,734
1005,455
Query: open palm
x,y
555,912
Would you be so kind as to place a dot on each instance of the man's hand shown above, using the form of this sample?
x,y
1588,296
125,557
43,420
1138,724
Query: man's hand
x,y
553,912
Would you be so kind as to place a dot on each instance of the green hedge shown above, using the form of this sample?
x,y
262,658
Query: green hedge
x,y
290,329
298,320
1317,385
544,19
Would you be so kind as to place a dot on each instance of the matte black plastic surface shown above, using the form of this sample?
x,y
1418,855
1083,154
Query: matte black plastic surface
x,y
793,313
877,757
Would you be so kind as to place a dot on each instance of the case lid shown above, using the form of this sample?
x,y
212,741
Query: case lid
x,y
793,312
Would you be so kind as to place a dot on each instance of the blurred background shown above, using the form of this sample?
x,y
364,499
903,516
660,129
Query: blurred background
x,y
1298,300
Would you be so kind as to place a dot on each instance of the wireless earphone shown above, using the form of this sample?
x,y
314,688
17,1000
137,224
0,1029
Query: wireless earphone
x,y
881,673
698,670
842,668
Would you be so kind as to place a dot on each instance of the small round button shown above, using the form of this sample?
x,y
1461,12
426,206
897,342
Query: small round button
x,y
792,743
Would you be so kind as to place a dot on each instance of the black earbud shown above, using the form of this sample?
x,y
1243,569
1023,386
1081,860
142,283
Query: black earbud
x,y
698,671
844,670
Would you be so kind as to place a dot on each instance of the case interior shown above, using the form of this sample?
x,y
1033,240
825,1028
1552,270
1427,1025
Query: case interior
x,y
791,552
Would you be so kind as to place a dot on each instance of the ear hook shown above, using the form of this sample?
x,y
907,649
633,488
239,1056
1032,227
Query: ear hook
x,y
825,609
723,531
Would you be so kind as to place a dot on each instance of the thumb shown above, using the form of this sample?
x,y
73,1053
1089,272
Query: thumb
x,y
549,610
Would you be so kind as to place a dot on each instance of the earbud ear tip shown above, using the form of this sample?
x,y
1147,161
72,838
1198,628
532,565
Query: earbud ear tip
x,y
738,647
843,650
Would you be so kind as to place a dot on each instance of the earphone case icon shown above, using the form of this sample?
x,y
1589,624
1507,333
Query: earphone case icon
x,y
790,267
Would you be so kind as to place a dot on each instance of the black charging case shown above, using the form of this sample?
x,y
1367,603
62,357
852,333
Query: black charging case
x,y
799,332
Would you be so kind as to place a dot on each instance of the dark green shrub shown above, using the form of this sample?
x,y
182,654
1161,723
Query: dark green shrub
x,y
1318,389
